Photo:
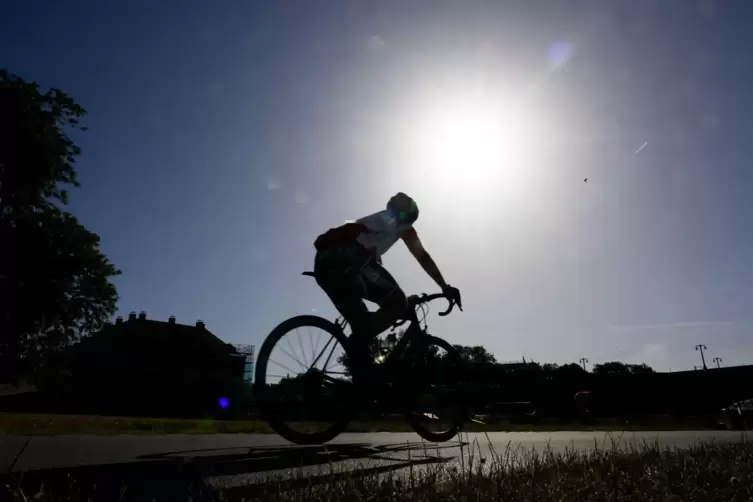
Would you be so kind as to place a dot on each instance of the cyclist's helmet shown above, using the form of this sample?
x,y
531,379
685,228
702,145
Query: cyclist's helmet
x,y
403,208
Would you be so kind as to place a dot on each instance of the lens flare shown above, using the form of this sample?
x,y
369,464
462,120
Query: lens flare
x,y
560,53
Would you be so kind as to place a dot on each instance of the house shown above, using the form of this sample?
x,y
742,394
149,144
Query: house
x,y
154,365
138,341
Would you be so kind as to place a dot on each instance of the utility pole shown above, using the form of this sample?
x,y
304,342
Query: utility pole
x,y
718,361
700,347
584,361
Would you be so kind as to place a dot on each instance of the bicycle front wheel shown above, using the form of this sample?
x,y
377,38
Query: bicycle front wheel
x,y
436,412
305,399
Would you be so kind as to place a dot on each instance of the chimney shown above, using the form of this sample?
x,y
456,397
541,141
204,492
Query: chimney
x,y
118,321
200,324
171,319
142,315
132,316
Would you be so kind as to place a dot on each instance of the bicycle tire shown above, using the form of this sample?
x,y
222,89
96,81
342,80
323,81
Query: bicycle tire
x,y
458,419
260,388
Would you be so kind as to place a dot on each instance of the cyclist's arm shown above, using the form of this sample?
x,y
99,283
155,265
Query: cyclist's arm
x,y
410,238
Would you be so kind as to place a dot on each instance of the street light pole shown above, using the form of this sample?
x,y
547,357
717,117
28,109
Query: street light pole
x,y
700,347
718,361
583,361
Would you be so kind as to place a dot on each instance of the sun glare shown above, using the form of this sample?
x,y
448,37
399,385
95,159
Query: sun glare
x,y
472,143
464,136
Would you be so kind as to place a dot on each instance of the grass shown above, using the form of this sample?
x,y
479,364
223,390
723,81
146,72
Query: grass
x,y
642,472
29,424
639,472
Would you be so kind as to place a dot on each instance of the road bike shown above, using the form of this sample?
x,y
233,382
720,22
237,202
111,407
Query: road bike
x,y
407,374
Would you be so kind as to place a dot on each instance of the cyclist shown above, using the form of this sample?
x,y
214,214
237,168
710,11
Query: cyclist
x,y
348,267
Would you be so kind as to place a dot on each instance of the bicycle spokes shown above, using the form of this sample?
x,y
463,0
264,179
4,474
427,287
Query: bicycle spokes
x,y
315,377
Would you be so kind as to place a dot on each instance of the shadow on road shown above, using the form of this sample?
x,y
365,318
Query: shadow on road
x,y
182,475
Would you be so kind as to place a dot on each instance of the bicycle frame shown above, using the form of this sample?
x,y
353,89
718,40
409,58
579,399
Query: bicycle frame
x,y
405,346
412,334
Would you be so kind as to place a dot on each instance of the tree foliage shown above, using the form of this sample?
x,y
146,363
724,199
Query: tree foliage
x,y
475,354
54,280
570,370
616,368
36,155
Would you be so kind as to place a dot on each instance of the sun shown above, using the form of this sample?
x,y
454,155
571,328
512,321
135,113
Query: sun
x,y
472,143
464,136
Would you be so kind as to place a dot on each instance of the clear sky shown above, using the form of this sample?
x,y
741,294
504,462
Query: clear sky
x,y
224,136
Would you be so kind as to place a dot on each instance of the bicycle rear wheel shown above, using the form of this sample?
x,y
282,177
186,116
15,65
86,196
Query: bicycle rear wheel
x,y
315,406
436,412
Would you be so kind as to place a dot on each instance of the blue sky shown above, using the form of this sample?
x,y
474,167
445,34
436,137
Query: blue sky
x,y
225,136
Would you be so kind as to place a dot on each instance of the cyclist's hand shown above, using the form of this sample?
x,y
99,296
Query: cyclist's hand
x,y
453,294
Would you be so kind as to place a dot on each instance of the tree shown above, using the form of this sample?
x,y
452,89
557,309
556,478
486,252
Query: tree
x,y
479,354
618,368
570,371
63,286
36,156
475,354
54,280
613,368
640,369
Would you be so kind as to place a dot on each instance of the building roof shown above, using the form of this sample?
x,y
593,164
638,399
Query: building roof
x,y
148,337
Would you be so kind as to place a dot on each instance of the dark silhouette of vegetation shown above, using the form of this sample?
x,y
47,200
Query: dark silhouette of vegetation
x,y
54,281
621,369
476,354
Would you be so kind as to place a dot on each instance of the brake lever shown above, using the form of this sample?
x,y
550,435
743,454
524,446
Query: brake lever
x,y
449,309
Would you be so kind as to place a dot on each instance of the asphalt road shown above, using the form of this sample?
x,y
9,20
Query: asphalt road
x,y
242,460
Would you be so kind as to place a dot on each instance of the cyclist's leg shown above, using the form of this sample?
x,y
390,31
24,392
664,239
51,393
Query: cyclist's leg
x,y
381,288
337,274
348,275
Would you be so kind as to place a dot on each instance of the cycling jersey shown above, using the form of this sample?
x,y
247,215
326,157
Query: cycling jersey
x,y
385,231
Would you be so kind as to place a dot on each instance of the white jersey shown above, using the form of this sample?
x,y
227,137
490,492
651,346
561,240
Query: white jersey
x,y
385,231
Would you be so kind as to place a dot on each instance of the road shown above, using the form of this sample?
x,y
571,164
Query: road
x,y
241,460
